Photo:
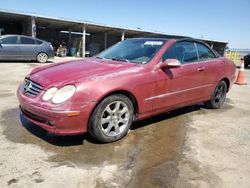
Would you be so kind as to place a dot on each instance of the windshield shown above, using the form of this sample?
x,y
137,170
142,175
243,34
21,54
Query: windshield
x,y
133,50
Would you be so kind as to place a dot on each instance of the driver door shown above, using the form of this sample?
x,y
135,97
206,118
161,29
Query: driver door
x,y
180,85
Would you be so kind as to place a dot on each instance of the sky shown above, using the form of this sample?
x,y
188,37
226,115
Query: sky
x,y
223,20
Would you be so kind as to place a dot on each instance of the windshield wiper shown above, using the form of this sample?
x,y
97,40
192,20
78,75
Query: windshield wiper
x,y
120,59
99,57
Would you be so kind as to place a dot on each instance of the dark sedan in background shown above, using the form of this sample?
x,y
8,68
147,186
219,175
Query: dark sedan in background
x,y
247,60
18,47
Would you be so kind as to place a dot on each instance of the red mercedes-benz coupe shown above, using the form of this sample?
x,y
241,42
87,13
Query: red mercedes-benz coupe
x,y
132,80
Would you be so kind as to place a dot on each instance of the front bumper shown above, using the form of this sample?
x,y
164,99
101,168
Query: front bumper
x,y
70,121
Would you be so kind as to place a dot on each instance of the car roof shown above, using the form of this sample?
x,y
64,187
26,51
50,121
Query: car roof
x,y
149,38
168,38
177,39
8,35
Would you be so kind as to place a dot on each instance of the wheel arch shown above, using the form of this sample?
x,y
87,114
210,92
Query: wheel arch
x,y
41,52
227,82
128,94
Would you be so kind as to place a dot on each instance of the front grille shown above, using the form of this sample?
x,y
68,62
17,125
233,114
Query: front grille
x,y
31,88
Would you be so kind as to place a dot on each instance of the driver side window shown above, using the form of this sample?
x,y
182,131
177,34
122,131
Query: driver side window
x,y
184,51
170,53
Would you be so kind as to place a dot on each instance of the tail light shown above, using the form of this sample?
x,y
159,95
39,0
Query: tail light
x,y
51,47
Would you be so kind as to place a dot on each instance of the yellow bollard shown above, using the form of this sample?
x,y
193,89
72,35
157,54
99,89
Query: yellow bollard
x,y
237,56
230,55
234,56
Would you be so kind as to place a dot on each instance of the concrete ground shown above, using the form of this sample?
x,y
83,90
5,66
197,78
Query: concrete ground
x,y
189,147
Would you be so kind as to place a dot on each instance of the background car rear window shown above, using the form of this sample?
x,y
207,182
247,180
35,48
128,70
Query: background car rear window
x,y
184,51
9,40
25,40
204,52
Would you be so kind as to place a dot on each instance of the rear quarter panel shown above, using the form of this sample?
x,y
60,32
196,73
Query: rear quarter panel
x,y
217,70
225,70
230,71
45,47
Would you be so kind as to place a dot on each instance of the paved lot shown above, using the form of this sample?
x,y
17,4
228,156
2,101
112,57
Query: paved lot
x,y
189,147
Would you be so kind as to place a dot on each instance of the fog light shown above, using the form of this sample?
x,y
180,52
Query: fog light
x,y
51,123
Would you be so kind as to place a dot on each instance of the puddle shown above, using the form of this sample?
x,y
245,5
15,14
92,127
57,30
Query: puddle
x,y
151,149
160,148
78,149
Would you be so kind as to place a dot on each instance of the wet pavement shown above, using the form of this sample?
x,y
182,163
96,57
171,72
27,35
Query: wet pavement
x,y
151,150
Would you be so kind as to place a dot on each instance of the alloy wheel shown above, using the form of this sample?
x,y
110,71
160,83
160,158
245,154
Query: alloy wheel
x,y
115,118
42,57
219,95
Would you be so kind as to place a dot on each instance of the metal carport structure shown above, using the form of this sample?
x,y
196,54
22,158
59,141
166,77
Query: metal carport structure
x,y
51,28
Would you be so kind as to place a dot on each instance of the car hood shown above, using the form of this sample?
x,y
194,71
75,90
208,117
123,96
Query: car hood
x,y
75,71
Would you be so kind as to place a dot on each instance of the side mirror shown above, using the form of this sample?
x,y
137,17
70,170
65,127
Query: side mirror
x,y
170,63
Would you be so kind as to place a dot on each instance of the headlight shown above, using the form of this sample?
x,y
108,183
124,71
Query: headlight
x,y
49,93
63,94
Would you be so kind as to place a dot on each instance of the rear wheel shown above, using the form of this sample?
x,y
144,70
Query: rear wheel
x,y
42,57
111,119
218,97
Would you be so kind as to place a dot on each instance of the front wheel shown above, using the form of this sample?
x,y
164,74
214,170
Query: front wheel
x,y
111,119
42,57
218,97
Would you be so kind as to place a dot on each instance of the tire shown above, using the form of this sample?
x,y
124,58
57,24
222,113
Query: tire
x,y
111,119
218,97
42,57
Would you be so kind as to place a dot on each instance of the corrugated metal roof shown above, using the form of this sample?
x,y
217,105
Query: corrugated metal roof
x,y
65,22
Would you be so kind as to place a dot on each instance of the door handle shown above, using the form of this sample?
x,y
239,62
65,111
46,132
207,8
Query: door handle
x,y
201,69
